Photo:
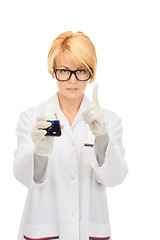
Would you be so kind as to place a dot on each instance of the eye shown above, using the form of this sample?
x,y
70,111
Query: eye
x,y
82,71
63,71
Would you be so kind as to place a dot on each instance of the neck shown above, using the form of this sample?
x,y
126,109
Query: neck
x,y
68,105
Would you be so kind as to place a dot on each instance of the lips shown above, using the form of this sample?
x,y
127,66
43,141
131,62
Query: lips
x,y
72,89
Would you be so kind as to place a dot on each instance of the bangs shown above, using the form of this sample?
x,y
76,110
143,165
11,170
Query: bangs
x,y
78,59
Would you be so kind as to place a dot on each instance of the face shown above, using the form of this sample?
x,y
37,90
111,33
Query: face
x,y
72,88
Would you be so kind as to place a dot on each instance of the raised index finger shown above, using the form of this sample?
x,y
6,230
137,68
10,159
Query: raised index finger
x,y
95,94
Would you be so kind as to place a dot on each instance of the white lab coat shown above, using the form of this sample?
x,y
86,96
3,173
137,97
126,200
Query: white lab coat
x,y
71,203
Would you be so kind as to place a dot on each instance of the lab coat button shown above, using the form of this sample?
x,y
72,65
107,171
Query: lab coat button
x,y
72,178
72,212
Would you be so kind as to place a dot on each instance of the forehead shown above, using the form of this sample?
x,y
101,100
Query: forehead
x,y
67,61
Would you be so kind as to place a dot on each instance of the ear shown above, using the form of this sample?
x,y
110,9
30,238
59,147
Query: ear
x,y
53,75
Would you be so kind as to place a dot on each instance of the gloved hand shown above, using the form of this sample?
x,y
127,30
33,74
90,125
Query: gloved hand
x,y
94,115
43,144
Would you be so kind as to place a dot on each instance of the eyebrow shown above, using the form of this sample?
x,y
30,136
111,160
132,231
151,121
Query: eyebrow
x,y
64,66
69,68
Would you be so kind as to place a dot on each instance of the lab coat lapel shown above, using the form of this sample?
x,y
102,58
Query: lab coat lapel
x,y
85,102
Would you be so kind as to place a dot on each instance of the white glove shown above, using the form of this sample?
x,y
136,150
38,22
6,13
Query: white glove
x,y
43,144
94,115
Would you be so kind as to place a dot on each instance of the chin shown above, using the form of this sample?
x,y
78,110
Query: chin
x,y
73,95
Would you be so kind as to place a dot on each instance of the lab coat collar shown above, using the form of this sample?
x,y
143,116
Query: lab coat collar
x,y
63,120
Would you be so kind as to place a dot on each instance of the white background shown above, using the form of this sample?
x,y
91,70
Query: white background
x,y
126,35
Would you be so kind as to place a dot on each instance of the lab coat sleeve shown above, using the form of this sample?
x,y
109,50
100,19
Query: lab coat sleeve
x,y
114,169
23,167
100,146
40,165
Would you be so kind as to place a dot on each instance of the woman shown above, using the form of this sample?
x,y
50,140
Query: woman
x,y
67,176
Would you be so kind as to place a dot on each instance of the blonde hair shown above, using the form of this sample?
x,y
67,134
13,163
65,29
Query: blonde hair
x,y
78,47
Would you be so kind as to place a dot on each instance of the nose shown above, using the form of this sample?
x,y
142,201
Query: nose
x,y
73,78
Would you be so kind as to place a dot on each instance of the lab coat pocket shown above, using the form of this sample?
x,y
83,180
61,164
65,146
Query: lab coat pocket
x,y
88,148
87,153
41,231
99,231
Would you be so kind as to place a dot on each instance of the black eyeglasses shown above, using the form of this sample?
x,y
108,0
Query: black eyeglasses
x,y
65,74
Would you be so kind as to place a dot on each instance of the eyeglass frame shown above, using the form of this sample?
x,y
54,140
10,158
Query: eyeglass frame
x,y
71,72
